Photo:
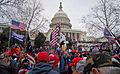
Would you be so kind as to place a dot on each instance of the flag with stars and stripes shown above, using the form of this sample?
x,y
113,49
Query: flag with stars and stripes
x,y
54,37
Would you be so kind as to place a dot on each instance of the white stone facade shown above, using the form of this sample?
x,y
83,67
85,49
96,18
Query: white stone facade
x,y
102,39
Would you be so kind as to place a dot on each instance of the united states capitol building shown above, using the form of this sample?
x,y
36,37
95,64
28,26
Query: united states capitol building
x,y
66,27
62,18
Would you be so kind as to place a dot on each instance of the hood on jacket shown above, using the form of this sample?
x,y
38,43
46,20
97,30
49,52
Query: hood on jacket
x,y
4,69
41,68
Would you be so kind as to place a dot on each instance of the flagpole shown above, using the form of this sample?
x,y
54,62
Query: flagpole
x,y
9,38
113,36
26,39
26,35
59,33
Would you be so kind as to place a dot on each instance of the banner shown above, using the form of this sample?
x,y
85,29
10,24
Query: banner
x,y
17,36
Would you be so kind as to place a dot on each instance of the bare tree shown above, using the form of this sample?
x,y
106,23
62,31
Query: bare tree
x,y
105,14
5,6
30,13
26,11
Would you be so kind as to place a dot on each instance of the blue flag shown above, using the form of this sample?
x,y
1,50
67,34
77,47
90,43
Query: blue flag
x,y
109,36
18,36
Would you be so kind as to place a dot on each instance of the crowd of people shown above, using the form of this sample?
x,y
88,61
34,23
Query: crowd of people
x,y
17,60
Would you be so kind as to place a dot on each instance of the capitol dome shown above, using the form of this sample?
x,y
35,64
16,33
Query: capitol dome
x,y
61,13
61,18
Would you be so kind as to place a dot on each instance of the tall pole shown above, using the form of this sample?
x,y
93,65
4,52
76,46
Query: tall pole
x,y
25,40
113,36
59,25
26,36
9,38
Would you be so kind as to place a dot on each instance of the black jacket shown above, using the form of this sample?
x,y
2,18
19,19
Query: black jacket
x,y
5,69
43,68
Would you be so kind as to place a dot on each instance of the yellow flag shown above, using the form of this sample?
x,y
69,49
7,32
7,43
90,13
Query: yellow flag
x,y
63,47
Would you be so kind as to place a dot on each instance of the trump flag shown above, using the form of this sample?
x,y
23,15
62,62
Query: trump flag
x,y
17,36
109,36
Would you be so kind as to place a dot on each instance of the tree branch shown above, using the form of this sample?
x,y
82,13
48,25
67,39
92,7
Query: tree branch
x,y
100,19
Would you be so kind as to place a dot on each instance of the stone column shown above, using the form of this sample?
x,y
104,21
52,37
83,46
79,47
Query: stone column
x,y
78,36
75,36
70,34
66,34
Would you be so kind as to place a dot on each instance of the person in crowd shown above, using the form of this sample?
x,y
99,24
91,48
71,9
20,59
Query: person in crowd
x,y
62,63
29,60
74,62
76,59
101,63
117,57
17,51
25,67
116,51
4,65
54,61
14,63
79,67
43,66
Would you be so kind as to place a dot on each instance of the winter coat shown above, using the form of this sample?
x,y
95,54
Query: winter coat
x,y
6,69
43,68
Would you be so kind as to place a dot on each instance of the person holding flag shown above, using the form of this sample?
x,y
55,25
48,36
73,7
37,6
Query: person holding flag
x,y
110,36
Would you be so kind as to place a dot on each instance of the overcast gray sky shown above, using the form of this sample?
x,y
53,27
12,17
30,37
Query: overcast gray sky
x,y
75,9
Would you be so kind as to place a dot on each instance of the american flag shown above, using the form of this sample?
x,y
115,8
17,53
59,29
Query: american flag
x,y
109,36
18,25
54,36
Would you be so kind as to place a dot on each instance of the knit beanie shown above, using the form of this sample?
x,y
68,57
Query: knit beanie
x,y
54,59
43,56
